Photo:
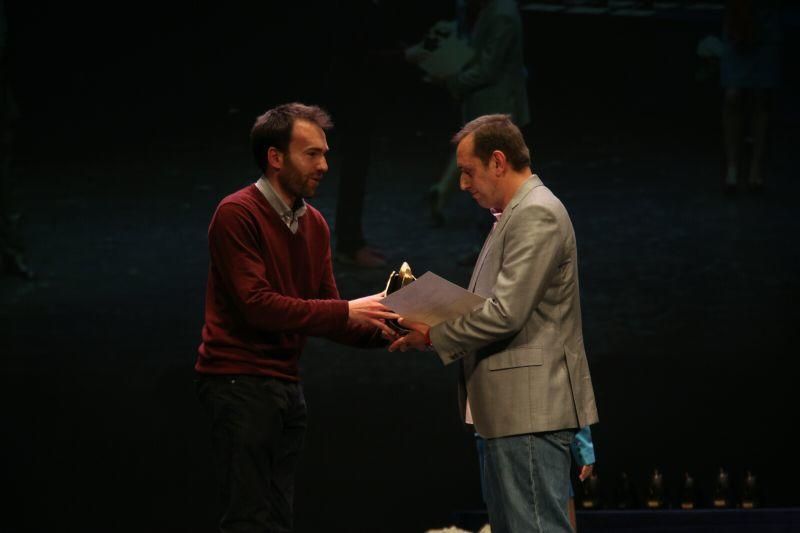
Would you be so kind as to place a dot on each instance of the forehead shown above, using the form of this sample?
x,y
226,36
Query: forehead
x,y
305,134
466,148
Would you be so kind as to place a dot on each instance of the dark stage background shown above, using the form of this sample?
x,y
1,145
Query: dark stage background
x,y
134,124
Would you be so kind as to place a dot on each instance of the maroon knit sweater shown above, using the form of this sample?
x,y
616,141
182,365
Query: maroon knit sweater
x,y
268,289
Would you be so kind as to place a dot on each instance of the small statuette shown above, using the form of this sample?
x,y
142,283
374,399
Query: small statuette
x,y
688,492
722,490
655,491
590,492
750,492
625,495
397,280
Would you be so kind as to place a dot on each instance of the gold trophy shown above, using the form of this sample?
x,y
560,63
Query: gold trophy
x,y
750,493
722,490
590,492
656,492
689,492
398,280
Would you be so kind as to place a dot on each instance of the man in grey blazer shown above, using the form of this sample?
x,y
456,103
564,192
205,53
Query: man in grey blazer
x,y
525,381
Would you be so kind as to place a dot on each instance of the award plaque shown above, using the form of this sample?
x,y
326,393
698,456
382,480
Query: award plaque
x,y
722,490
688,492
655,491
397,280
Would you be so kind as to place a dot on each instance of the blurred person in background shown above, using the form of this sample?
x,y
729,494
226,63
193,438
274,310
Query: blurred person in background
x,y
12,259
493,81
750,71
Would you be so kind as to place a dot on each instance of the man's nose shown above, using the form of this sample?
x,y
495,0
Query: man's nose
x,y
462,182
323,164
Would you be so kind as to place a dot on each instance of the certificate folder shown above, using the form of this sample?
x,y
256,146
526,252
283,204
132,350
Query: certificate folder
x,y
432,299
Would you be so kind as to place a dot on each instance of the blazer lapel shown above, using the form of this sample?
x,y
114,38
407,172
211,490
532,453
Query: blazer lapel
x,y
523,191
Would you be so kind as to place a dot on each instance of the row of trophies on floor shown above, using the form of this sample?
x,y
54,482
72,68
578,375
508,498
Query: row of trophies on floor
x,y
671,4
591,494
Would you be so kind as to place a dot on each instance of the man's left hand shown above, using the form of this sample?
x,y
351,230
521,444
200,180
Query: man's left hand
x,y
417,337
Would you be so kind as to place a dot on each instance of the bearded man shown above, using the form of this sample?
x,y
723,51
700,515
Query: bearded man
x,y
270,285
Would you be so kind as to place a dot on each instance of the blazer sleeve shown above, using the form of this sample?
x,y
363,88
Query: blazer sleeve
x,y
532,247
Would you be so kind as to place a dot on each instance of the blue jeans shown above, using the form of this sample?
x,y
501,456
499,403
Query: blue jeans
x,y
526,482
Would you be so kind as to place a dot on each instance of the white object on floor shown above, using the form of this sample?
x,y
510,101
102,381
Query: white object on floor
x,y
451,529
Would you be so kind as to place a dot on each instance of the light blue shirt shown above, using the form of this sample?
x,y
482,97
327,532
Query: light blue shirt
x,y
582,447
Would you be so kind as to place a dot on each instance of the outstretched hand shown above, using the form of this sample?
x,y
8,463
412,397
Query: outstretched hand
x,y
369,311
417,337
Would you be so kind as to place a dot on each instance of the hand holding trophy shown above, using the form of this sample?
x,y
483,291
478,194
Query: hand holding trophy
x,y
408,334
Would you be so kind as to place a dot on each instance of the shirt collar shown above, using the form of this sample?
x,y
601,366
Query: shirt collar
x,y
531,182
290,216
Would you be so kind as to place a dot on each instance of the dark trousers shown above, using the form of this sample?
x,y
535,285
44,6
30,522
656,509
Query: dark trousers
x,y
258,425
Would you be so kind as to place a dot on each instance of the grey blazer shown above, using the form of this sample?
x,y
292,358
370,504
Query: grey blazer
x,y
524,364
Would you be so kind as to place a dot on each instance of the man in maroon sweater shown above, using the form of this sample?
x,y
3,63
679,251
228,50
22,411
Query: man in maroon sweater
x,y
270,285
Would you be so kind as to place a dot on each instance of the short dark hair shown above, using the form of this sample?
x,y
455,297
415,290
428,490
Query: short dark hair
x,y
274,128
496,132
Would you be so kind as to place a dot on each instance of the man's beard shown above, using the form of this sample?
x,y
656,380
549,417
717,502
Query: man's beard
x,y
299,185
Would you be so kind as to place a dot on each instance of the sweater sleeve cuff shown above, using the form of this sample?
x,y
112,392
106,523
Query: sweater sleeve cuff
x,y
341,308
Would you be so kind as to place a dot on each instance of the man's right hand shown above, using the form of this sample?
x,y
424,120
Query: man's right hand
x,y
369,311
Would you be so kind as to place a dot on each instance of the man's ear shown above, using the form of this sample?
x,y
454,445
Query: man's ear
x,y
274,158
500,162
